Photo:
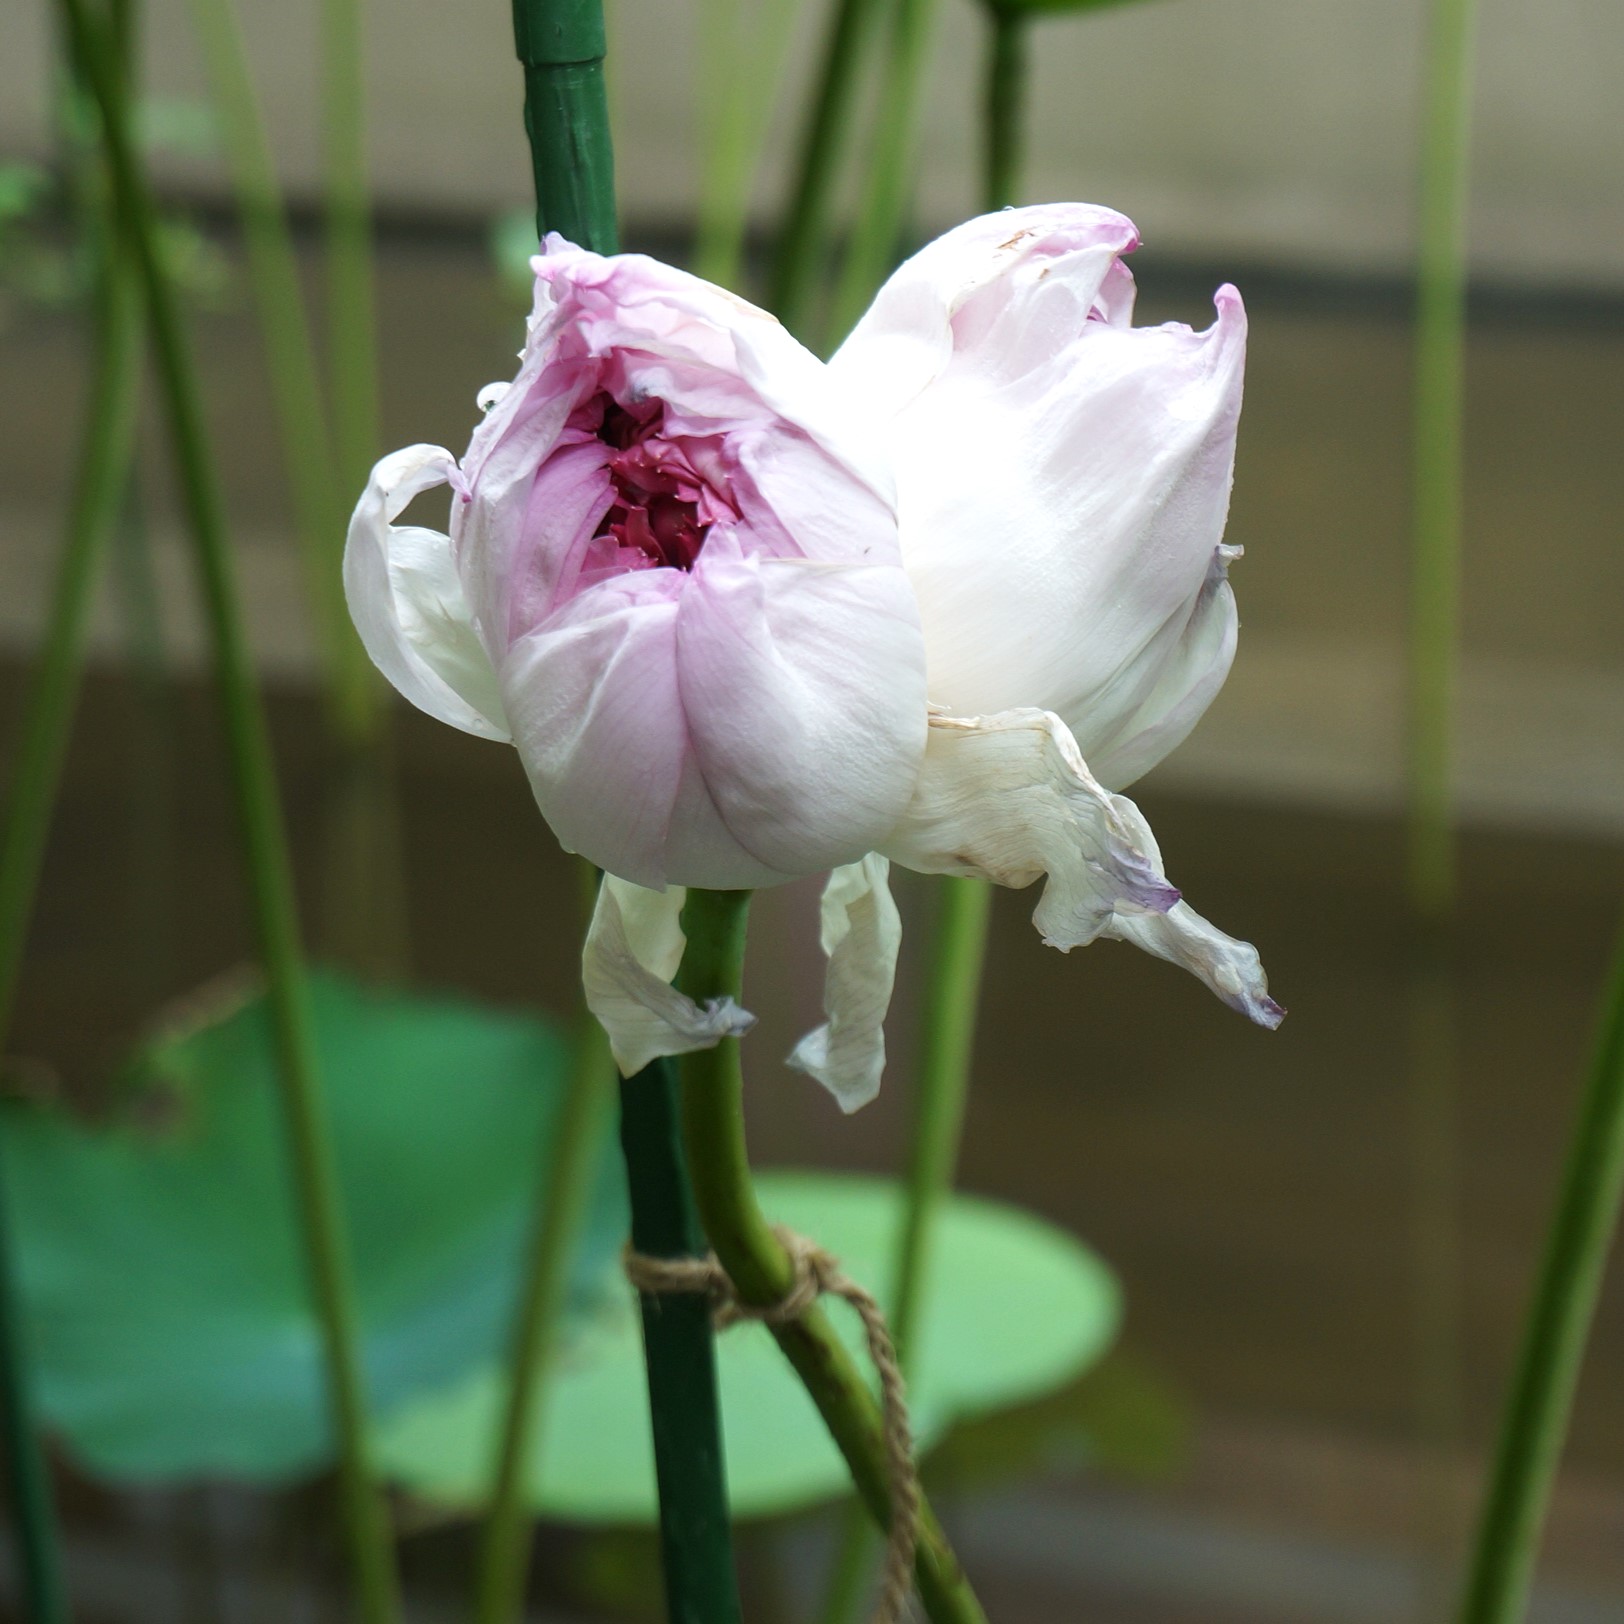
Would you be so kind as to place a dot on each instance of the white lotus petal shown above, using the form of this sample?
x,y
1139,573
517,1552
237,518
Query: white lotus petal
x,y
1010,798
407,601
632,951
862,933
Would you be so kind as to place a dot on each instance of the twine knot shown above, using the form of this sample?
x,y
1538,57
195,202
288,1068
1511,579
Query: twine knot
x,y
816,1273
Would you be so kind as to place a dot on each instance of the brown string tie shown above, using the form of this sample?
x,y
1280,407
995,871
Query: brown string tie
x,y
817,1273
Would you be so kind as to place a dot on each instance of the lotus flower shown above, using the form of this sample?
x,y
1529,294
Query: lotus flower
x,y
747,616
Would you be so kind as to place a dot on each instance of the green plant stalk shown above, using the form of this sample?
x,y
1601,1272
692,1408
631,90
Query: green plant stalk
x,y
799,262
265,852
1439,388
352,324
560,44
1540,1404
756,1262
947,1046
741,50
98,490
1434,645
98,486
301,411
1004,106
878,227
565,1190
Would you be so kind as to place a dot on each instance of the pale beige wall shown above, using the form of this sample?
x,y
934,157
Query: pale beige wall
x,y
1272,128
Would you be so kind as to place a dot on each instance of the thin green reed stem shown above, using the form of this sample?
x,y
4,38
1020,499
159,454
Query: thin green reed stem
x,y
800,259
560,44
1004,106
302,418
1539,1406
1437,482
741,48
941,1092
98,490
99,481
759,1267
265,851
884,201
1440,347
565,1187
952,1001
352,328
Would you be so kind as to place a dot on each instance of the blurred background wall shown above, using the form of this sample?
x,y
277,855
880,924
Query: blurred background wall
x,y
1271,129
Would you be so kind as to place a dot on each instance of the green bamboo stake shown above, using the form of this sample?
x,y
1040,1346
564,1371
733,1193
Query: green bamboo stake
x,y
878,228
1540,1403
799,264
756,1262
265,853
560,44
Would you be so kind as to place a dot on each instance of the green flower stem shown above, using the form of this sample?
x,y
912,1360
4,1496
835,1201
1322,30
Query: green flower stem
x,y
352,325
265,852
560,44
302,417
1540,1403
885,193
561,1205
1004,111
799,263
761,1271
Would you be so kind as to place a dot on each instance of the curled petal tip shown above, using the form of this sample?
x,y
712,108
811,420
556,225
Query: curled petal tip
x,y
1267,1013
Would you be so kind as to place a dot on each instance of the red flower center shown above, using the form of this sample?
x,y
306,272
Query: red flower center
x,y
658,493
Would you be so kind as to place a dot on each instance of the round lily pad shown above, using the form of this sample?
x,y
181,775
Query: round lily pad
x,y
159,1257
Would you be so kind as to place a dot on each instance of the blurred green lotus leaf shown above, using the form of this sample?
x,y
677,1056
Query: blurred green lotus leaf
x,y
159,1261
1013,1309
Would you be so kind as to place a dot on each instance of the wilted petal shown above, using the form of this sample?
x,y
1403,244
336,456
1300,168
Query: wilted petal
x,y
1010,798
862,933
633,949
407,601
1230,968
